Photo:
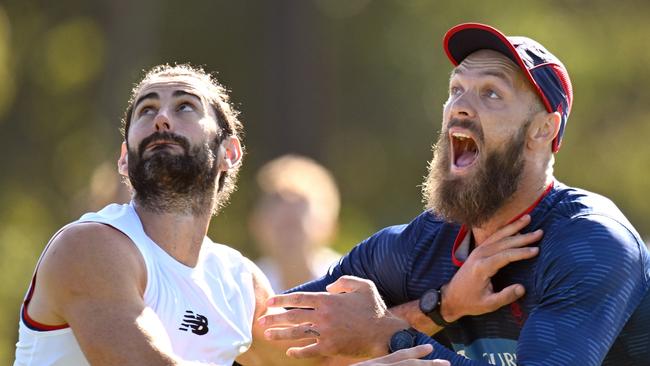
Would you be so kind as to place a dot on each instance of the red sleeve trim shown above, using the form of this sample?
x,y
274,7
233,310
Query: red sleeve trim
x,y
31,323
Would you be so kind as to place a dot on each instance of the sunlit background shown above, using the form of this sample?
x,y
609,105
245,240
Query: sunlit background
x,y
356,84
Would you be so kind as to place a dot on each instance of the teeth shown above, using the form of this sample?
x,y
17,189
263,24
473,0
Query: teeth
x,y
460,136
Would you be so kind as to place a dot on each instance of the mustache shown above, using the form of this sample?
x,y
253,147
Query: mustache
x,y
468,125
163,136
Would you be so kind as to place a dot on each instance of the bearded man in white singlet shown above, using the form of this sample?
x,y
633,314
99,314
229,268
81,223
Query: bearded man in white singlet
x,y
141,284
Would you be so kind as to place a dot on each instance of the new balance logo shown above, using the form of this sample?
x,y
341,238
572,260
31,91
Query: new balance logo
x,y
197,322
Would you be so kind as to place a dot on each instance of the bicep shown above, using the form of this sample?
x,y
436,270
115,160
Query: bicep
x,y
93,275
119,333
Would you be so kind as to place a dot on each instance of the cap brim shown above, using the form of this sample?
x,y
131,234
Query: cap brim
x,y
465,39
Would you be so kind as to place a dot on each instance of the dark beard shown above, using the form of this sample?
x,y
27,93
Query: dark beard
x,y
170,183
474,199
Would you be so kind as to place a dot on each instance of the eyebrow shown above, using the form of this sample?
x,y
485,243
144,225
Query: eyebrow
x,y
154,95
180,93
494,73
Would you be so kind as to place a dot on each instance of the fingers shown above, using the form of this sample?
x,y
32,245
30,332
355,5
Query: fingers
x,y
290,317
304,331
349,284
406,357
420,363
494,263
297,300
439,363
504,297
509,230
514,241
405,354
312,350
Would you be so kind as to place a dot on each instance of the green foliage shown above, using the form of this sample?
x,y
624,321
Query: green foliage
x,y
358,85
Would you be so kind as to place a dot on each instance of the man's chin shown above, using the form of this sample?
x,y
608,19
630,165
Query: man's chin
x,y
462,176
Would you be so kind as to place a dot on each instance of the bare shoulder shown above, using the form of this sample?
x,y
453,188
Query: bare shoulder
x,y
91,248
261,286
89,259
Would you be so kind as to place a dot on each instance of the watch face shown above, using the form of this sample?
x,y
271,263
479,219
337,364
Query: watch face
x,y
429,301
401,340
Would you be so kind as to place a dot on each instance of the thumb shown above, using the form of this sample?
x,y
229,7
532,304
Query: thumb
x,y
414,352
400,357
348,284
506,296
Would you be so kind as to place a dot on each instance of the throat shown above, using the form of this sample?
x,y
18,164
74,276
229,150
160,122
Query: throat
x,y
522,203
180,236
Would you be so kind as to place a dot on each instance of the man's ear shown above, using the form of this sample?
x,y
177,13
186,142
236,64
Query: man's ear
x,y
123,161
545,128
230,153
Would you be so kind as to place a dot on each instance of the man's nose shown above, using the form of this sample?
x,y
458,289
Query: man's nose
x,y
462,106
162,122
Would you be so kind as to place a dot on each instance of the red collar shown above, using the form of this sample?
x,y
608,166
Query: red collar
x,y
464,230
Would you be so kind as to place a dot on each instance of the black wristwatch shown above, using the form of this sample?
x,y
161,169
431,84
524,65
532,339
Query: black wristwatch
x,y
430,306
402,339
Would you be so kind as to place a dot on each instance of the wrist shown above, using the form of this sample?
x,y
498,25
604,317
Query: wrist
x,y
386,329
446,311
431,306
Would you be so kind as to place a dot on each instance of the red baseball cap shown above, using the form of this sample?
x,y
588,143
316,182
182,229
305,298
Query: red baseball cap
x,y
545,71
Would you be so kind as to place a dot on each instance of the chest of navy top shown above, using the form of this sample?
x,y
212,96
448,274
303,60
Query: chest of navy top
x,y
587,296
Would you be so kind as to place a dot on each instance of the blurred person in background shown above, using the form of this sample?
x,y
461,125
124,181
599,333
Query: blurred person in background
x,y
295,220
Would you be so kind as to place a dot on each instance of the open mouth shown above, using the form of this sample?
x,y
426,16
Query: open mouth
x,y
464,150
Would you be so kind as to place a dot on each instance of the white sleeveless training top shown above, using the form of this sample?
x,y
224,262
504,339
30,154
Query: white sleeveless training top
x,y
207,311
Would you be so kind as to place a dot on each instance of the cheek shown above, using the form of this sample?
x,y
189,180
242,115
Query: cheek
x,y
446,114
446,108
134,138
500,134
209,127
138,130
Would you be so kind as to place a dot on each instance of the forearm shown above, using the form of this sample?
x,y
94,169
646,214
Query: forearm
x,y
410,312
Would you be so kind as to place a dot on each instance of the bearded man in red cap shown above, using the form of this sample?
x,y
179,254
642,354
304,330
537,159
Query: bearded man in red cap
x,y
449,272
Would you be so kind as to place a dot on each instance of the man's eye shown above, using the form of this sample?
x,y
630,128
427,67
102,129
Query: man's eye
x,y
186,107
147,111
492,94
454,90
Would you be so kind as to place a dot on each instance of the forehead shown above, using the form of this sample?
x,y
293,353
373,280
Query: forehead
x,y
169,84
491,63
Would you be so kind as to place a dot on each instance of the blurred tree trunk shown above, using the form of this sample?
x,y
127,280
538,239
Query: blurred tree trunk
x,y
298,79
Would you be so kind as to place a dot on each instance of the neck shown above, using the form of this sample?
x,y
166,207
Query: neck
x,y
179,234
530,190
